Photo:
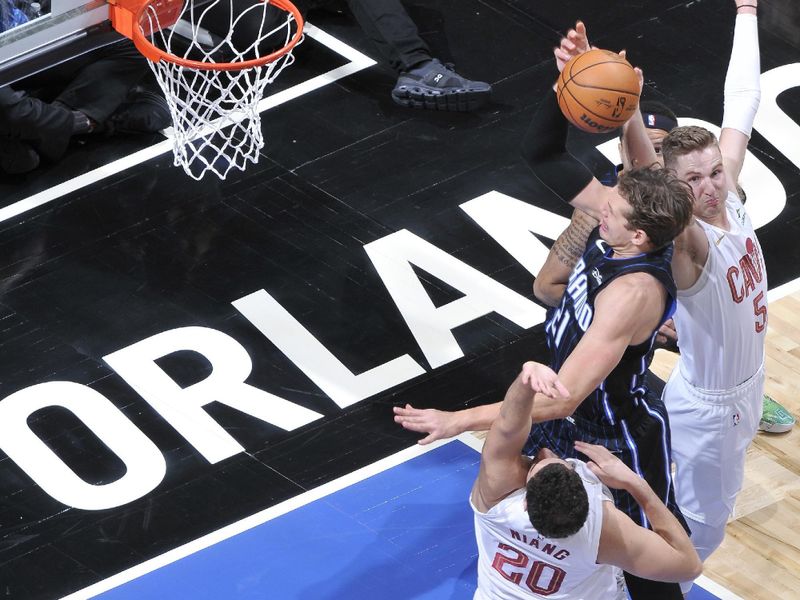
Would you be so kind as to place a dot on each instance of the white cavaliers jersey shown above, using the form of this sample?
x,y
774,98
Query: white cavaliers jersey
x,y
516,563
722,319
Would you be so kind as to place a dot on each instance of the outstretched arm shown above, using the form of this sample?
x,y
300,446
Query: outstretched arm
x,y
742,90
605,341
545,150
502,469
638,150
442,424
544,146
595,356
664,554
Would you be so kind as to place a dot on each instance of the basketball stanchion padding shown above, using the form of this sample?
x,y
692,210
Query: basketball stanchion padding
x,y
213,60
598,91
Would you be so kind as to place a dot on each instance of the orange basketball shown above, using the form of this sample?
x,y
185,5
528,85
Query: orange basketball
x,y
598,91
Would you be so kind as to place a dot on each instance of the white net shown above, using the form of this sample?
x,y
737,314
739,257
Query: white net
x,y
216,122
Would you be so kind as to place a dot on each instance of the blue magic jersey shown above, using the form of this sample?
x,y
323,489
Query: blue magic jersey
x,y
622,391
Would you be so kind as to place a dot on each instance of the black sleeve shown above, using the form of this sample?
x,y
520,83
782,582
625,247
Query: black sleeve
x,y
545,150
46,126
26,117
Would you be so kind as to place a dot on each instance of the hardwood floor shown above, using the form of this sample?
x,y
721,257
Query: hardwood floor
x,y
760,556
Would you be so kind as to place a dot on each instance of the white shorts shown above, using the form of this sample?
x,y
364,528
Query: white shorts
x,y
711,431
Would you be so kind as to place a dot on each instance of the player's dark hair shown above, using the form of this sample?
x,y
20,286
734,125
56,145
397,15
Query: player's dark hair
x,y
683,140
661,204
557,501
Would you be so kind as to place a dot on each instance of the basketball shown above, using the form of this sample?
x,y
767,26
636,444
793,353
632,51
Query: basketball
x,y
598,91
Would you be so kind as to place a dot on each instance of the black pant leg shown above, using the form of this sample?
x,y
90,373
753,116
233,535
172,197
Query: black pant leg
x,y
645,589
655,385
100,86
391,29
649,435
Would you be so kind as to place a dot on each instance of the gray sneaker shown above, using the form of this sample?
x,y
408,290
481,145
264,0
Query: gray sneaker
x,y
435,86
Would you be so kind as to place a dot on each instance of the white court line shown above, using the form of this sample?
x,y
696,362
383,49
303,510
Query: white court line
x,y
287,506
358,62
716,589
261,517
784,290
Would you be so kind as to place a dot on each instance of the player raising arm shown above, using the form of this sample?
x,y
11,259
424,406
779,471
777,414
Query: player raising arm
x,y
619,294
564,502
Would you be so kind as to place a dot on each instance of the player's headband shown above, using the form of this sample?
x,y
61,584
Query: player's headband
x,y
656,121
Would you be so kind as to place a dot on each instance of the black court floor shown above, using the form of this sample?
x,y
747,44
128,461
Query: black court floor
x,y
179,355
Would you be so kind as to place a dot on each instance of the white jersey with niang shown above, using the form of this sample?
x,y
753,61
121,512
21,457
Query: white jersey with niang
x,y
516,563
722,319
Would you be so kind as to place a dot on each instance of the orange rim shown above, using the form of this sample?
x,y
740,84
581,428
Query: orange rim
x,y
125,15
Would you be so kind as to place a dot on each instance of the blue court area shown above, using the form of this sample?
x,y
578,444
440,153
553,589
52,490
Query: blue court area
x,y
402,533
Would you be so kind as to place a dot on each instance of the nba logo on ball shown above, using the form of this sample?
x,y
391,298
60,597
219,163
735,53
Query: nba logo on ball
x,y
598,91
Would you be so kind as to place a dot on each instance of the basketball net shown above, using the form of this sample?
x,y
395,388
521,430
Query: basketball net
x,y
213,83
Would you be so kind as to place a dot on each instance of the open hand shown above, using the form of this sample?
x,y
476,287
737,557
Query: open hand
x,y
544,380
438,424
609,469
667,335
574,43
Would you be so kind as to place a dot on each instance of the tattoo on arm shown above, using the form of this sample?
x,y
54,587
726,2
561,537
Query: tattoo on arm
x,y
571,243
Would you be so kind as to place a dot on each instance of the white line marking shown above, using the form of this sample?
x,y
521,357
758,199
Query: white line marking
x,y
338,46
82,181
358,61
287,506
784,290
260,518
716,589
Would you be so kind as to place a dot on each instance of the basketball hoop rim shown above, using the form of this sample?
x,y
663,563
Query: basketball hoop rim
x,y
125,16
